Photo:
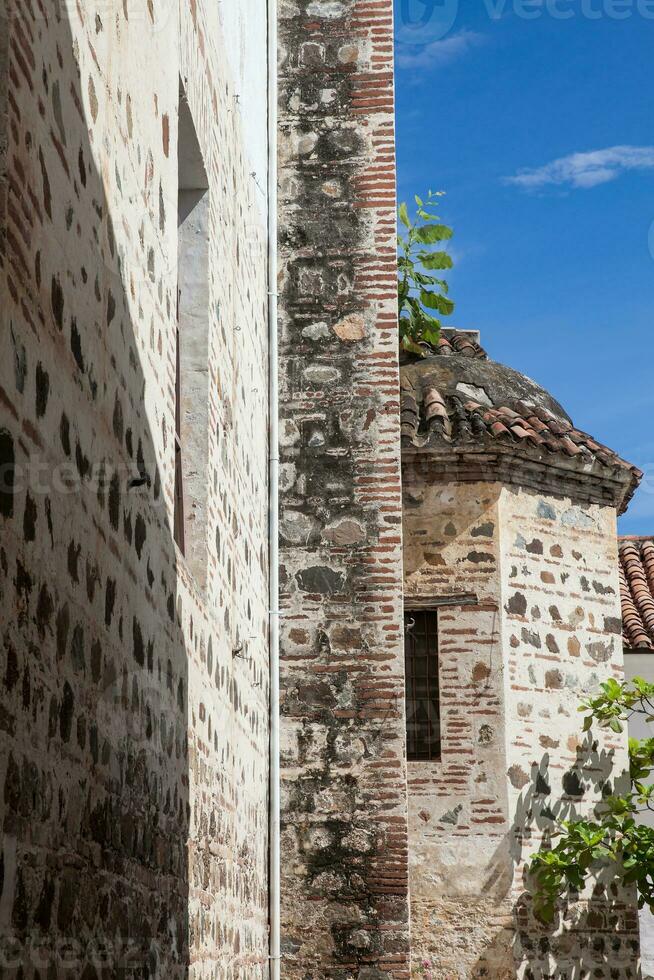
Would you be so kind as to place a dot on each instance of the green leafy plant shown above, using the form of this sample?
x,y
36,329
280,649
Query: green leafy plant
x,y
421,294
614,840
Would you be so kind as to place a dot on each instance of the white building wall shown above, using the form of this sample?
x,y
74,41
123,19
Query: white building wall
x,y
244,27
134,749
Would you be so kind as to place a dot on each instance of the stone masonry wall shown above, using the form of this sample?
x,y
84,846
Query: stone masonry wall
x,y
460,872
133,716
344,861
543,632
561,632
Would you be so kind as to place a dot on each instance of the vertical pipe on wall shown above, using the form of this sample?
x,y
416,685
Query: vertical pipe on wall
x,y
273,478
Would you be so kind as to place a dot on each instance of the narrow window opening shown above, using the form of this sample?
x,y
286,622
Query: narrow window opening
x,y
179,471
192,348
423,721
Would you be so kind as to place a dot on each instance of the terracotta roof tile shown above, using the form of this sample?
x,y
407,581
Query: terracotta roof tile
x,y
637,592
457,421
471,402
504,422
452,342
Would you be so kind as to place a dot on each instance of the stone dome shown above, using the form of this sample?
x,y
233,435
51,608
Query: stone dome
x,y
458,402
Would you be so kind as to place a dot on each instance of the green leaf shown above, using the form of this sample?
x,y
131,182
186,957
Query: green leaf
x,y
419,293
431,336
430,300
413,347
436,260
545,911
431,234
431,322
435,301
426,280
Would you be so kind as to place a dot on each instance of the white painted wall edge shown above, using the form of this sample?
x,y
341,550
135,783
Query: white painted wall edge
x,y
273,520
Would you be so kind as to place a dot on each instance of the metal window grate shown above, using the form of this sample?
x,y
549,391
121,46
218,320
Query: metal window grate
x,y
422,688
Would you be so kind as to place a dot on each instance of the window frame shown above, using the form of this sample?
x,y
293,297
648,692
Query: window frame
x,y
425,746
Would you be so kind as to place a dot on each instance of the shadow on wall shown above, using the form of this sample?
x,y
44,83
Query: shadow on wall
x,y
93,668
594,942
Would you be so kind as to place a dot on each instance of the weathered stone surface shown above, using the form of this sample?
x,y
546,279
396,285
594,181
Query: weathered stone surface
x,y
344,865
133,744
512,673
458,816
350,328
345,532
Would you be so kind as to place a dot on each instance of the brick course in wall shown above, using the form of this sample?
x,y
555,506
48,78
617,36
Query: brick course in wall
x,y
344,858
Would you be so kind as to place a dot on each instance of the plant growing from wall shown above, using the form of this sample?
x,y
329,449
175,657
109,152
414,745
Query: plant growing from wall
x,y
421,294
424,970
613,840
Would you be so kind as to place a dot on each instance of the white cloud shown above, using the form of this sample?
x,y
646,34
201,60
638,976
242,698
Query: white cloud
x,y
437,53
586,169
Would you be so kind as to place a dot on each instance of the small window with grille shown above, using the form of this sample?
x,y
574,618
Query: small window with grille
x,y
423,719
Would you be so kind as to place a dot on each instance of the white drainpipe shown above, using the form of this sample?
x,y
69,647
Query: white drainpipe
x,y
273,478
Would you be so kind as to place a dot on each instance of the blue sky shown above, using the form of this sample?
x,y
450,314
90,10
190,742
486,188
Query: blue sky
x,y
540,131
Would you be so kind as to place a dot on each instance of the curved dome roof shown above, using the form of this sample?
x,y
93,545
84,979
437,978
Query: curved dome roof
x,y
458,401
